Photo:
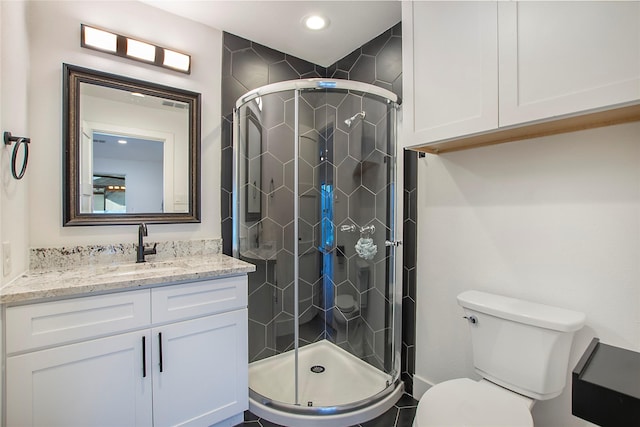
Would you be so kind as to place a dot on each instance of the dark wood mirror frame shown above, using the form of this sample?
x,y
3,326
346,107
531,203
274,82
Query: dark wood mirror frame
x,y
73,76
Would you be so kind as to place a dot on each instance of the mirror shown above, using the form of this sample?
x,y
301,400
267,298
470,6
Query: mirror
x,y
131,150
254,169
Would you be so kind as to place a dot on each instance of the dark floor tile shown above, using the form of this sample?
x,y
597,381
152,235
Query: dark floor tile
x,y
406,401
388,419
250,416
406,416
265,423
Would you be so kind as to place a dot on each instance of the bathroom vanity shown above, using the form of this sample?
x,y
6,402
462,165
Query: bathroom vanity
x,y
159,343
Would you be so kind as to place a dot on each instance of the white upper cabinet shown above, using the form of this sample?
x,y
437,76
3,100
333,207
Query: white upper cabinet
x,y
494,71
563,57
450,75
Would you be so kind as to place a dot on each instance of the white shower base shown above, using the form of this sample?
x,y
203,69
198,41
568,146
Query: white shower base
x,y
345,380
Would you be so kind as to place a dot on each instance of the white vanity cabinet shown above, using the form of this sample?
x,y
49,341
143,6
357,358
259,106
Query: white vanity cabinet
x,y
170,355
478,67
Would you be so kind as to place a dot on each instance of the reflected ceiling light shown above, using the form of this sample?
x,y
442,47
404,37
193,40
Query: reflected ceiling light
x,y
122,141
127,47
138,94
315,22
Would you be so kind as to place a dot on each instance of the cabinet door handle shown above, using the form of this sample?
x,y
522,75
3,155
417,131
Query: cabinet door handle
x,y
160,349
144,357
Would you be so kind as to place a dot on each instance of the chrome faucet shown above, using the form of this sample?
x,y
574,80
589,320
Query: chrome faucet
x,y
142,232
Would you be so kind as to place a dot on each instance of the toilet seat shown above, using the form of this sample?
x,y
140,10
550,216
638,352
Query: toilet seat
x,y
464,402
346,303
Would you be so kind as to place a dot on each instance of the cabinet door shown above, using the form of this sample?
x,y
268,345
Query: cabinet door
x,y
564,57
200,370
93,383
450,73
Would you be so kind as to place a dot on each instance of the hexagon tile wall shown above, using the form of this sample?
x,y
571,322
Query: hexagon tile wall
x,y
248,65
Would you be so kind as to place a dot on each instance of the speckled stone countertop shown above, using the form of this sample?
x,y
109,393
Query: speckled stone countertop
x,y
84,279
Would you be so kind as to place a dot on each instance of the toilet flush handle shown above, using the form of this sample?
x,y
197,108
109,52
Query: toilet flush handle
x,y
472,319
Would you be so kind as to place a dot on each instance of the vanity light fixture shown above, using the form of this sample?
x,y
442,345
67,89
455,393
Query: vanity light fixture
x,y
141,50
127,47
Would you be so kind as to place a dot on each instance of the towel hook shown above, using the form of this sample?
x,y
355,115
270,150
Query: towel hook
x,y
19,140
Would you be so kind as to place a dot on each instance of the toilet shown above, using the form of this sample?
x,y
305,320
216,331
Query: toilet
x,y
346,305
521,351
346,308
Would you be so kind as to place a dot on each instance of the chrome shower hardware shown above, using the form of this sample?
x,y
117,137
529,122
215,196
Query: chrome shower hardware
x,y
348,228
368,229
350,120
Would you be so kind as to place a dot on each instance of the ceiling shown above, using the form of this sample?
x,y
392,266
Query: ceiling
x,y
278,24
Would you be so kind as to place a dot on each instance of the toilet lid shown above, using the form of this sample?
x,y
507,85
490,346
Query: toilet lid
x,y
464,402
345,303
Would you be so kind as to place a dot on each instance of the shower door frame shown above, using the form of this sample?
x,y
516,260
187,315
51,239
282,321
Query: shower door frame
x,y
299,86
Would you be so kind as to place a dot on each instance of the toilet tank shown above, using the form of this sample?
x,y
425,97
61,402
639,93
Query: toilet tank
x,y
521,345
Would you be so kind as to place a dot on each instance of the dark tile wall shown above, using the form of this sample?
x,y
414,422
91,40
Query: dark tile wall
x,y
248,65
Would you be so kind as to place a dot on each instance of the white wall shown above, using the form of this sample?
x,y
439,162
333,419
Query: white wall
x,y
54,37
14,73
143,180
554,220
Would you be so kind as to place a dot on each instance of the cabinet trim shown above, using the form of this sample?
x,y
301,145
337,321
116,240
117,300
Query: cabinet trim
x,y
58,322
629,113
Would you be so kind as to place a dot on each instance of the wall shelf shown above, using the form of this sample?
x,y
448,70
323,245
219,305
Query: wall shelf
x,y
606,386
554,126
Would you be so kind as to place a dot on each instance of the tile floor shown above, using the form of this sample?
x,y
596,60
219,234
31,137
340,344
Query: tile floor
x,y
400,415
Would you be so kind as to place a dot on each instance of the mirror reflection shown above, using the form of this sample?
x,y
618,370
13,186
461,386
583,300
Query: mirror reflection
x,y
132,150
131,134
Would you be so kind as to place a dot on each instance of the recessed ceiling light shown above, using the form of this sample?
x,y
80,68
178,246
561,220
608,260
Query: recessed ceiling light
x,y
315,22
122,141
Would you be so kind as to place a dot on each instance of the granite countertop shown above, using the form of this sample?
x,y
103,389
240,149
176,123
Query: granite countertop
x,y
69,281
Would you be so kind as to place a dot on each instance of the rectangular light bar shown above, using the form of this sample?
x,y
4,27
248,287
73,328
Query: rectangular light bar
x,y
127,47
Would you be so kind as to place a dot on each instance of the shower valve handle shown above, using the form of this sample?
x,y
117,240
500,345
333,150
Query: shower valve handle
x,y
394,243
348,227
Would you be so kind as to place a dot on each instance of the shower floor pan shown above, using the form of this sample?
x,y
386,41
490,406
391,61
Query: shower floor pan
x,y
330,379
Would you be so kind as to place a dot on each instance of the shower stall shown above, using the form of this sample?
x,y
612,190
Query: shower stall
x,y
314,208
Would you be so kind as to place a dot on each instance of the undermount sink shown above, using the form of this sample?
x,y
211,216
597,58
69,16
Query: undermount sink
x,y
124,270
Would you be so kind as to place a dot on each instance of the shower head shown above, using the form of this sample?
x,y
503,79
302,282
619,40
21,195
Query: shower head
x,y
350,120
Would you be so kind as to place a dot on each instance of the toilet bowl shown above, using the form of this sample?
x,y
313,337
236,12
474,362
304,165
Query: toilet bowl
x,y
465,402
521,351
346,308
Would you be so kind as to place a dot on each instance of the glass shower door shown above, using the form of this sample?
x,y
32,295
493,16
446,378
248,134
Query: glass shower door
x,y
314,202
345,221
